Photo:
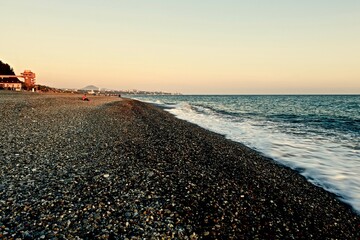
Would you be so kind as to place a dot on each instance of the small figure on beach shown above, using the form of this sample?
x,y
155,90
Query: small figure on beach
x,y
84,98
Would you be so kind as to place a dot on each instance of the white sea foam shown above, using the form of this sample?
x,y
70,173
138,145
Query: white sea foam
x,y
323,161
319,150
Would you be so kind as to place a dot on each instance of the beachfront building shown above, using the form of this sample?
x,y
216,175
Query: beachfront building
x,y
10,84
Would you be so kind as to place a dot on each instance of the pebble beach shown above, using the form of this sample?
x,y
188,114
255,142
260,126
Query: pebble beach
x,y
115,168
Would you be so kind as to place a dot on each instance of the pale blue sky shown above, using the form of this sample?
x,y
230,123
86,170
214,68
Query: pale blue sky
x,y
268,46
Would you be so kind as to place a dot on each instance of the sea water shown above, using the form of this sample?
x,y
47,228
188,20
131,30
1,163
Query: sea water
x,y
318,136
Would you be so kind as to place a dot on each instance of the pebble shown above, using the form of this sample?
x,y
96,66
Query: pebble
x,y
169,178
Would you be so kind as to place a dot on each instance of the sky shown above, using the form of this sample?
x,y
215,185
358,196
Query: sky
x,y
187,46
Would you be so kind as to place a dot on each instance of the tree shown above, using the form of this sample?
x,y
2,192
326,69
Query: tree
x,y
5,69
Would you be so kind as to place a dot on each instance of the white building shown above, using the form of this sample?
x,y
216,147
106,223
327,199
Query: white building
x,y
10,84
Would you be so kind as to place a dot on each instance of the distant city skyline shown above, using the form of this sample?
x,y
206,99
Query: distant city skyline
x,y
192,47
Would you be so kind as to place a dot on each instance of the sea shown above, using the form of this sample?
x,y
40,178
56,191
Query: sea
x,y
316,135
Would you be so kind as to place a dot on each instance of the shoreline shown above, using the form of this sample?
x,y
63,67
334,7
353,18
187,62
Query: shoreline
x,y
118,168
327,160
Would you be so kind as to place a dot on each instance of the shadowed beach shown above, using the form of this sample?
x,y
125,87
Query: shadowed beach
x,y
115,168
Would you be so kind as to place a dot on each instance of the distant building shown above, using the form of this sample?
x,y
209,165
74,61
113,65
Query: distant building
x,y
92,92
11,84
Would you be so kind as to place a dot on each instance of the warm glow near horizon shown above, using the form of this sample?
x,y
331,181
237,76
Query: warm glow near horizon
x,y
214,47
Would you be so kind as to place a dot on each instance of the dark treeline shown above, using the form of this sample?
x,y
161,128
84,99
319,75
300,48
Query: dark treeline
x,y
5,69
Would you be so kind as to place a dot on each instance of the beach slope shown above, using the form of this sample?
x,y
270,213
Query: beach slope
x,y
117,168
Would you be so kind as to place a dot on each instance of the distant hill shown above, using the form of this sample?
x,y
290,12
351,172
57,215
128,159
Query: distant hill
x,y
90,87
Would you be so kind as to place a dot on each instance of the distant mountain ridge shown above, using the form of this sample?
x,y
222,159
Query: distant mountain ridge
x,y
90,87
96,89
